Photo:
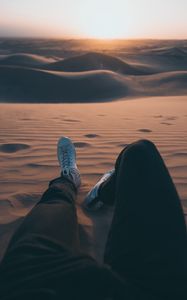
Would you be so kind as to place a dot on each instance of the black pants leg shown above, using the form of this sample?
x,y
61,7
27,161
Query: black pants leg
x,y
43,259
50,217
147,243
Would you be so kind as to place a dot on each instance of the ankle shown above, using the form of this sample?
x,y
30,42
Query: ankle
x,y
62,182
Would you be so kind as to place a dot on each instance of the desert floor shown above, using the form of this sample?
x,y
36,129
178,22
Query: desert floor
x,y
28,139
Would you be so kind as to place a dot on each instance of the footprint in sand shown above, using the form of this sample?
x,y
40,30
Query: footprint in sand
x,y
72,120
81,145
166,123
59,117
29,119
181,154
172,118
158,116
144,130
11,148
91,135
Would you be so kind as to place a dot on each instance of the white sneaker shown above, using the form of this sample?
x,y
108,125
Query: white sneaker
x,y
92,201
67,159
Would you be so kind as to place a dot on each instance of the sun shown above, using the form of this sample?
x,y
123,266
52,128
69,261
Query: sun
x,y
103,19
104,30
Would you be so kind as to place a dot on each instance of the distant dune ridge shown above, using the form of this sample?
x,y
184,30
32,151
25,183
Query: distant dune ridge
x,y
94,76
172,51
97,61
23,59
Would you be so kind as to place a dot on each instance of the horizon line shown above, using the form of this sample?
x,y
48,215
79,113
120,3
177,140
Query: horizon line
x,y
92,38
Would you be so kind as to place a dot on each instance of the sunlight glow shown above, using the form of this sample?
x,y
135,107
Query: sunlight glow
x,y
104,19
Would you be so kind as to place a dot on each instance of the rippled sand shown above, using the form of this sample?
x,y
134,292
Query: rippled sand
x,y
28,138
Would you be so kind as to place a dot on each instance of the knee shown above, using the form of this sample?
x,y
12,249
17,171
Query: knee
x,y
144,144
139,150
55,194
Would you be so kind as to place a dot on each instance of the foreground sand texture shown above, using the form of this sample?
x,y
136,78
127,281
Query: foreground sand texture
x,y
28,139
90,71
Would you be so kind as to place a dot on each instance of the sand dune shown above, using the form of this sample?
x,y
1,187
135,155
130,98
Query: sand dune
x,y
96,61
23,59
35,85
121,71
176,52
21,84
169,83
164,59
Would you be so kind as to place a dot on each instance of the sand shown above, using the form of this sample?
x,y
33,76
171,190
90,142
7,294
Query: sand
x,y
130,90
74,71
28,138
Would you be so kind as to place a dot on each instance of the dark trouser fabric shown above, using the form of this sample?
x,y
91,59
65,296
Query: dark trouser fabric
x,y
147,243
43,259
53,217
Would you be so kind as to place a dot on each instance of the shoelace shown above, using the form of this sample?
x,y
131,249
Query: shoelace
x,y
67,159
72,174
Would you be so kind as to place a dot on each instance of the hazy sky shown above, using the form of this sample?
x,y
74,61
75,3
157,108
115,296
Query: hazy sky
x,y
94,18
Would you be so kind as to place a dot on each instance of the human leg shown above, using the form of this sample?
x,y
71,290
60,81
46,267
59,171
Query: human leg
x,y
147,242
43,260
50,217
56,209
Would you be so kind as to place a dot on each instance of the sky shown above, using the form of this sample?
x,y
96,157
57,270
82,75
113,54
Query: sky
x,y
94,18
